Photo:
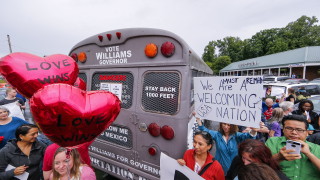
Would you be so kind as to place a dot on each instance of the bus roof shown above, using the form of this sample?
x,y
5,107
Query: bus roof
x,y
121,36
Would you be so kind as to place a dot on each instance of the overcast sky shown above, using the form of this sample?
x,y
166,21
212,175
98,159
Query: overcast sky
x,y
45,27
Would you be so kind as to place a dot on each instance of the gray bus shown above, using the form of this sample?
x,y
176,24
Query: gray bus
x,y
151,71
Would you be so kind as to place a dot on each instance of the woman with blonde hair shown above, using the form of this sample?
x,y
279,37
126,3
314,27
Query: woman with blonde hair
x,y
67,166
275,121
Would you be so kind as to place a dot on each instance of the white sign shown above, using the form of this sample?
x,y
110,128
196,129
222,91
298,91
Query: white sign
x,y
15,110
170,169
192,128
115,88
113,55
23,176
230,99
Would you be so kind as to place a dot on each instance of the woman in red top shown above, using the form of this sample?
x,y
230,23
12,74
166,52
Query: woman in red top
x,y
200,160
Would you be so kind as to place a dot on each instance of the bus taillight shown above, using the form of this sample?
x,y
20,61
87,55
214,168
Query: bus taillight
x,y
109,36
74,57
152,151
100,38
167,132
82,57
118,34
167,49
151,50
154,129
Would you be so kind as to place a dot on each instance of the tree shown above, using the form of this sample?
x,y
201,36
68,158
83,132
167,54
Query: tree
x,y
209,53
220,63
302,32
232,47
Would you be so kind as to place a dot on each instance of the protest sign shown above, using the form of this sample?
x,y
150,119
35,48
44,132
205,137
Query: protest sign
x,y
230,99
170,169
14,109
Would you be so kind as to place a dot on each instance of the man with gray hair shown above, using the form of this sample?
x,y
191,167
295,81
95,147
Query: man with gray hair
x,y
287,107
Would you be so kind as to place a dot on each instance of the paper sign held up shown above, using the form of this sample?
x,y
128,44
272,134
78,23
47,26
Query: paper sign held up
x,y
230,99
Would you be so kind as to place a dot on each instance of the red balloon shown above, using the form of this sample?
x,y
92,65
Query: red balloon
x,y
29,73
70,116
80,84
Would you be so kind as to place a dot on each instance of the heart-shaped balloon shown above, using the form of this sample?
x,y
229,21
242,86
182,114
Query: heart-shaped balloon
x,y
80,83
70,116
29,73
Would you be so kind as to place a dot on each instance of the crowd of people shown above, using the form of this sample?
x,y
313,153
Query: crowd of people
x,y
261,153
26,154
243,153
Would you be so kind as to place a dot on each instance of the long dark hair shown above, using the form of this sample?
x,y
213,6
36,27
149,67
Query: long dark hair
x,y
259,151
206,136
257,171
303,102
23,130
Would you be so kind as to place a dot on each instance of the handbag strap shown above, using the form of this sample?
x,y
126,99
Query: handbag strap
x,y
206,167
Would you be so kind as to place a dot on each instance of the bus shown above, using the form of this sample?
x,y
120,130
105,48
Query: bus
x,y
151,71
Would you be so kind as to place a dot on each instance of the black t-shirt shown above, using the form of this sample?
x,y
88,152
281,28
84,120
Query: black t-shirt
x,y
6,101
289,97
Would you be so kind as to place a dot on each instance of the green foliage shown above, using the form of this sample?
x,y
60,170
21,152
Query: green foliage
x,y
300,33
209,53
232,47
220,62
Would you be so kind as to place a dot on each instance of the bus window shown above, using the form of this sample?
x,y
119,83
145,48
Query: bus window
x,y
161,92
125,79
83,76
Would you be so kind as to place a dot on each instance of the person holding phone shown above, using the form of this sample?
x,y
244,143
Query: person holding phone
x,y
303,165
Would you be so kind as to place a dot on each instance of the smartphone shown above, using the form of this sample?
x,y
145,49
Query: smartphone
x,y
293,145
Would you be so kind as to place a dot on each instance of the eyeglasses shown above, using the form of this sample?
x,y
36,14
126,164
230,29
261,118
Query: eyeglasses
x,y
298,130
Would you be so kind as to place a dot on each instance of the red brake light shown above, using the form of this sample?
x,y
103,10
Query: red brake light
x,y
167,49
151,50
118,35
154,129
100,38
74,56
167,132
152,151
109,36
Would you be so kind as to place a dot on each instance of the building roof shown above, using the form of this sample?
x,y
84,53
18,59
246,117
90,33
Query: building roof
x,y
295,57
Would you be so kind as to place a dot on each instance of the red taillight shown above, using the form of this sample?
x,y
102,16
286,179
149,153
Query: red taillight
x,y
100,38
74,56
152,151
154,129
151,50
167,49
109,36
118,35
167,132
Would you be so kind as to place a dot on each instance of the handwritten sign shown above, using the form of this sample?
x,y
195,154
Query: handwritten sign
x,y
231,99
171,169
